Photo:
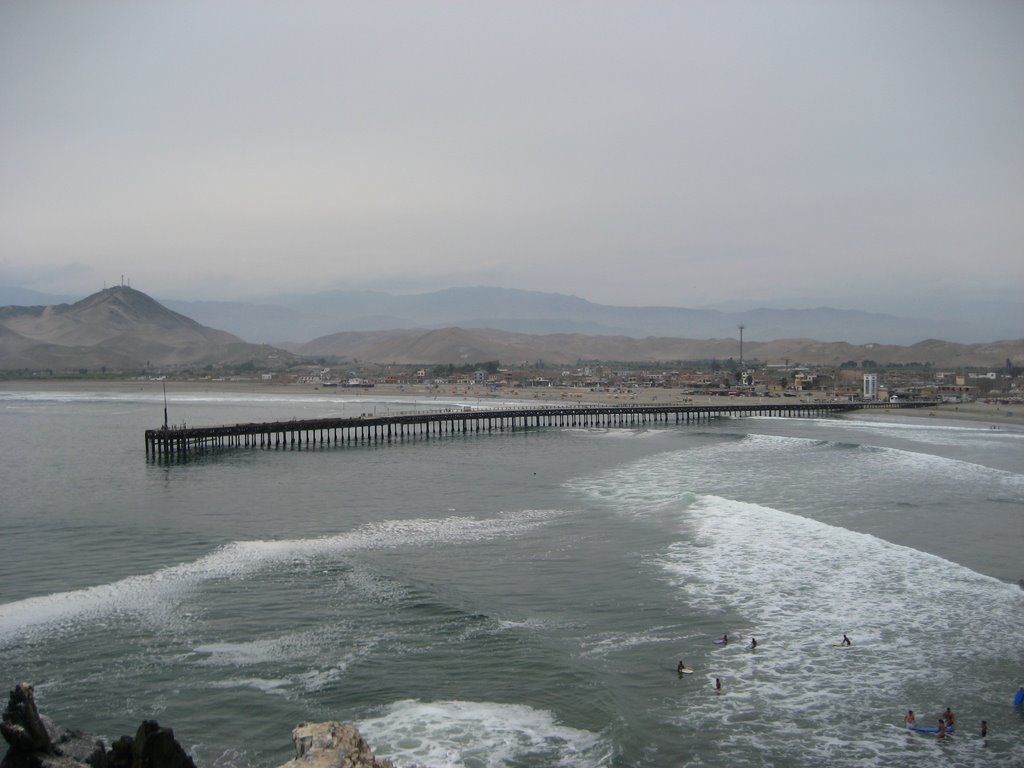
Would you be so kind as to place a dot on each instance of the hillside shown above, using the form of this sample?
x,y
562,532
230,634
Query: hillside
x,y
118,328
122,329
460,346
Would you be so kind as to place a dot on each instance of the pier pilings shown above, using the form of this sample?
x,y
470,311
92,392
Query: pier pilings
x,y
297,434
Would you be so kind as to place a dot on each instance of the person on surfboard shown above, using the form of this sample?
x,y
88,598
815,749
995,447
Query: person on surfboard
x,y
718,685
725,639
909,720
681,668
846,641
949,717
753,643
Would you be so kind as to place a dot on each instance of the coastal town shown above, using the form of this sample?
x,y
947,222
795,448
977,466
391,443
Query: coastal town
x,y
849,381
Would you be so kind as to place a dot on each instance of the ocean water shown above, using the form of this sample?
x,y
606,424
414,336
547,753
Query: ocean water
x,y
519,598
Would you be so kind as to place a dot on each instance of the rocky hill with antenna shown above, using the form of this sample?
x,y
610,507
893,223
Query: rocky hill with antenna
x,y
120,329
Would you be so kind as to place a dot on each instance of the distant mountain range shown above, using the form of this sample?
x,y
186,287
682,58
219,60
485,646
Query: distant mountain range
x,y
300,318
123,329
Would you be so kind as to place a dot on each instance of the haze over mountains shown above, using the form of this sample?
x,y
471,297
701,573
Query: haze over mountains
x,y
124,329
298,318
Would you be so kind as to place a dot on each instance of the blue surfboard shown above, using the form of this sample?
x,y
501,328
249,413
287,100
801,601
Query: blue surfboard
x,y
1018,699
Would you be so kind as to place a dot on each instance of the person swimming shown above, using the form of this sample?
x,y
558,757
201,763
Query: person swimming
x,y
941,732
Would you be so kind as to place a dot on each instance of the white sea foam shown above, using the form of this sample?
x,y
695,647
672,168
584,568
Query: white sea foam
x,y
147,393
334,403
374,587
924,433
636,433
615,642
795,575
321,656
306,645
917,461
801,584
679,470
528,624
775,443
156,596
798,585
899,463
952,469
276,687
446,734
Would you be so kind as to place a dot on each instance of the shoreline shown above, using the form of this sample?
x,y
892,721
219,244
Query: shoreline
x,y
991,415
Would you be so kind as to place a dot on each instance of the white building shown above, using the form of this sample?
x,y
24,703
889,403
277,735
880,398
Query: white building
x,y
870,386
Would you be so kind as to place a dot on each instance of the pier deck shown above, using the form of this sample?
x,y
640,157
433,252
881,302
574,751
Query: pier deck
x,y
296,434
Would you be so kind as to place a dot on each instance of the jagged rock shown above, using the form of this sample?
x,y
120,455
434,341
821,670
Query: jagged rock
x,y
332,745
23,728
35,742
156,747
120,754
82,748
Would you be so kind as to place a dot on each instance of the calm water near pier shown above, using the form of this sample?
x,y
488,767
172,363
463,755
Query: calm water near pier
x,y
518,599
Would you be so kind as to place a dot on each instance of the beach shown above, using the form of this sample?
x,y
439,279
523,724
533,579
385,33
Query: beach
x,y
990,414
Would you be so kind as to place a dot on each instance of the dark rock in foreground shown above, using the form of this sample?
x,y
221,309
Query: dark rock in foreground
x,y
35,742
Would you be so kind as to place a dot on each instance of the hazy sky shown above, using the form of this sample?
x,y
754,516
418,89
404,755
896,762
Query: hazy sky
x,y
677,153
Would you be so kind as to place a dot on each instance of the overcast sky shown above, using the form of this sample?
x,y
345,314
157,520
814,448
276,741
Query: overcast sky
x,y
677,153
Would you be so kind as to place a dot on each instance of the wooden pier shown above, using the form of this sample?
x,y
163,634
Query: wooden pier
x,y
298,434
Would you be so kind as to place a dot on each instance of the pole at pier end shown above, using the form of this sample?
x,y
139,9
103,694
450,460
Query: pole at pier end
x,y
165,405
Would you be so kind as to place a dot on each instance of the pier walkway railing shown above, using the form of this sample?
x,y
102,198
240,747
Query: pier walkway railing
x,y
297,434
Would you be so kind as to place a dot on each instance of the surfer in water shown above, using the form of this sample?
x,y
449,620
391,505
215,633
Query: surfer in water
x,y
680,668
949,717
753,643
846,641
941,733
718,688
984,729
909,720
725,639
